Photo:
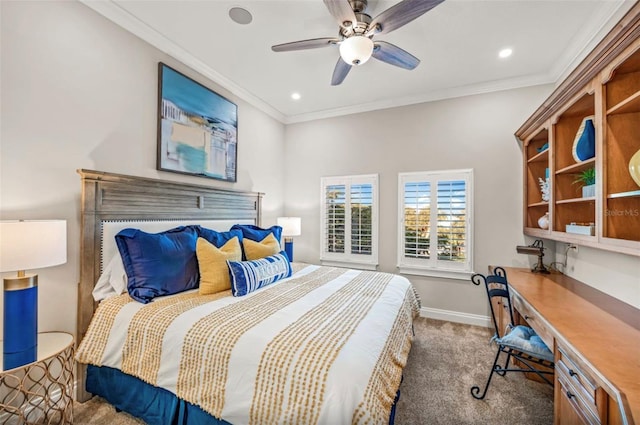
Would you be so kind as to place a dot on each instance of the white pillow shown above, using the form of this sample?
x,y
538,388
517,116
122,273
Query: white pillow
x,y
112,281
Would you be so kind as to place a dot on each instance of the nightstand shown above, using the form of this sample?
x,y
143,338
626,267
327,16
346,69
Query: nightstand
x,y
40,392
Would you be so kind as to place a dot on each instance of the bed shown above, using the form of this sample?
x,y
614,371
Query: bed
x,y
322,346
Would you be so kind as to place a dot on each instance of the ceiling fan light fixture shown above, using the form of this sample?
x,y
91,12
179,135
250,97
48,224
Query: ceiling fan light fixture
x,y
356,50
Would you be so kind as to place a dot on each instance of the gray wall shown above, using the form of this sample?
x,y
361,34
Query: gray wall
x,y
615,274
471,132
80,92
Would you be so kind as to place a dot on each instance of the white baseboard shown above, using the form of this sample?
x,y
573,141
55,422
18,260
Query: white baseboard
x,y
456,316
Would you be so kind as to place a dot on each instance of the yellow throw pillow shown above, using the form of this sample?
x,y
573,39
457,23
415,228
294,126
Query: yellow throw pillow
x,y
255,250
212,262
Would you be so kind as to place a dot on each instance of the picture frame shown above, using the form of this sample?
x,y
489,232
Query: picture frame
x,y
197,128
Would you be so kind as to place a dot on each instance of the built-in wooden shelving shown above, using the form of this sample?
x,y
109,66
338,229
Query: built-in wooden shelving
x,y
606,87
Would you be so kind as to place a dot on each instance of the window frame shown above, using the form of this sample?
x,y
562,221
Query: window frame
x,y
347,259
433,266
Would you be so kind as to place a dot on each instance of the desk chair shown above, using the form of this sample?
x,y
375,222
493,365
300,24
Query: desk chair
x,y
519,342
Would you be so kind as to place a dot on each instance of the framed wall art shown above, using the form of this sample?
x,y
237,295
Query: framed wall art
x,y
197,128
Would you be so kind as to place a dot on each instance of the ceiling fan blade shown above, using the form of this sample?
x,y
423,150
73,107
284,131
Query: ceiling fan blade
x,y
391,54
340,72
312,43
341,10
400,14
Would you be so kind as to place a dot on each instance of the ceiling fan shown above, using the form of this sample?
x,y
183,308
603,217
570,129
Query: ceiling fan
x,y
357,29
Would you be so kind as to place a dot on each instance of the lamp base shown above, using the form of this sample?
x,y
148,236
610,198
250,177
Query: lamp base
x,y
20,344
288,247
540,267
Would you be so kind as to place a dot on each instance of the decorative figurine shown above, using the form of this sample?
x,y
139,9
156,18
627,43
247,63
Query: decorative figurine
x,y
544,188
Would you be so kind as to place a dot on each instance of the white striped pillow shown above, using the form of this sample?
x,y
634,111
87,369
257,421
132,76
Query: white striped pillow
x,y
248,276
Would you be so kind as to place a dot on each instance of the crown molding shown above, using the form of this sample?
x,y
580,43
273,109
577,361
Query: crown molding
x,y
449,93
126,20
612,12
113,12
621,36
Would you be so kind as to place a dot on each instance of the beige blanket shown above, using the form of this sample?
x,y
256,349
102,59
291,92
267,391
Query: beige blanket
x,y
326,346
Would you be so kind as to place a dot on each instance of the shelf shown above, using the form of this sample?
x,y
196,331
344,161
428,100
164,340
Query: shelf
x,y
606,88
576,168
583,107
628,105
537,232
540,157
573,237
630,194
539,204
576,200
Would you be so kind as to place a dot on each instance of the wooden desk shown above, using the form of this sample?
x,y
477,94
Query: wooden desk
x,y
590,332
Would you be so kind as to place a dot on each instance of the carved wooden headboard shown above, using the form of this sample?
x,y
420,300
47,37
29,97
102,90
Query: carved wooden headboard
x,y
110,197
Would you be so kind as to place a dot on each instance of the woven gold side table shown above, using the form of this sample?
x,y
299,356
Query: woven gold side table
x,y
40,392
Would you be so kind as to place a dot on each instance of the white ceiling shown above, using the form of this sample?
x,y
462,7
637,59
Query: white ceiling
x,y
457,42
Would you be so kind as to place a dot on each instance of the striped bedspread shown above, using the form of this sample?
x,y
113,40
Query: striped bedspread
x,y
325,346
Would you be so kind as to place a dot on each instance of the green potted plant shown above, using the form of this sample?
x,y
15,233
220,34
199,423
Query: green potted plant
x,y
588,180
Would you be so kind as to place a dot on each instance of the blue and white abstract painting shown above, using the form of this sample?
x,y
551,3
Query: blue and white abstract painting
x,y
197,131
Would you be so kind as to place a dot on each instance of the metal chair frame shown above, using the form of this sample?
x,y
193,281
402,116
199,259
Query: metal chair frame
x,y
497,286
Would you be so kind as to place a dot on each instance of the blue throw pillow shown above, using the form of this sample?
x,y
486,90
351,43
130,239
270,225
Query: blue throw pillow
x,y
248,276
256,233
159,264
218,239
584,144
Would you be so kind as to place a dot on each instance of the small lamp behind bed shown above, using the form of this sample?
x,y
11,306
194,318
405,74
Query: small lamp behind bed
x,y
26,245
291,226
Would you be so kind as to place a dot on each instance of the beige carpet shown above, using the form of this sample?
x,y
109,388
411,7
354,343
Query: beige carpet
x,y
446,360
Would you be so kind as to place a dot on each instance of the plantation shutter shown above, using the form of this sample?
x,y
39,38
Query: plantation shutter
x,y
350,221
335,218
361,220
452,228
434,233
417,202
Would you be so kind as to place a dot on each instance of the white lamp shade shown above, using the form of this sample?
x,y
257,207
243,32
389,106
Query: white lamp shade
x,y
32,244
291,226
356,50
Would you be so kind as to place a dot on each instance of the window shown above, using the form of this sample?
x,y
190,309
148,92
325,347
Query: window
x,y
349,233
435,230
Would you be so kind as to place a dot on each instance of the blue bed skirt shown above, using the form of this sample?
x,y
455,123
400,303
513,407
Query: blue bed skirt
x,y
155,406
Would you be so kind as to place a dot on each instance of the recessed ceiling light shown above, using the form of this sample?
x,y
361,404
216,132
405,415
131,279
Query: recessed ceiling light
x,y
505,53
240,16
295,96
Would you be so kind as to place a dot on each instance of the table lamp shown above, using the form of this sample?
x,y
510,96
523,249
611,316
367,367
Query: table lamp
x,y
291,226
26,245
536,248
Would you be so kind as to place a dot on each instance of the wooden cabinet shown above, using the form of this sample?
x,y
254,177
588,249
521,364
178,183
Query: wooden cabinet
x,y
576,391
537,171
621,194
595,339
523,314
606,89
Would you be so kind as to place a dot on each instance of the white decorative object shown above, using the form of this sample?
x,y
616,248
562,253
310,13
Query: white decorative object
x,y
543,221
581,229
589,191
544,188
